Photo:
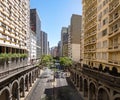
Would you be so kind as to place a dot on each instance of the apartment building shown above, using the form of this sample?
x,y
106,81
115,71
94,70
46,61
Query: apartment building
x,y
14,26
43,39
101,33
114,34
64,41
69,43
32,51
74,37
90,30
35,25
59,49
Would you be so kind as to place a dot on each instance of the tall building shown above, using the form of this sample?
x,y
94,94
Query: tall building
x,y
44,43
69,43
14,38
64,41
90,30
32,52
101,34
113,33
48,48
35,25
74,37
59,49
54,51
14,26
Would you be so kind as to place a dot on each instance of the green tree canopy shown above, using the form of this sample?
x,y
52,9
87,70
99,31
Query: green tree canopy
x,y
65,61
46,60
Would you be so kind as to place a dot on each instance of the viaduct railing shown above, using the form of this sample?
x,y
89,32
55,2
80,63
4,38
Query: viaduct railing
x,y
103,77
13,67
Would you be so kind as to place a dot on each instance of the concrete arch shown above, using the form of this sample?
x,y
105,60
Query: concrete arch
x,y
85,87
5,93
27,74
26,82
116,97
92,82
81,83
14,82
21,78
103,93
22,86
92,91
5,88
15,90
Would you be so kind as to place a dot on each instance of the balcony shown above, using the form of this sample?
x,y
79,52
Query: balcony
x,y
113,62
103,77
114,19
113,5
114,32
114,48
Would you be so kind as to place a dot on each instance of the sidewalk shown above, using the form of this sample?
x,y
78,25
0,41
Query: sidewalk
x,y
31,88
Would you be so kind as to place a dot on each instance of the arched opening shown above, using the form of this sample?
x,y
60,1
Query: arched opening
x,y
81,84
118,98
30,80
85,88
5,95
77,80
92,92
73,77
33,76
26,83
22,88
102,94
100,67
15,94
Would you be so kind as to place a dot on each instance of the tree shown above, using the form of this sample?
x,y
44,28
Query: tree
x,y
46,60
65,62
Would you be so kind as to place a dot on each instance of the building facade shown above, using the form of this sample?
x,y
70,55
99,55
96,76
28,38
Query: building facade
x,y
54,51
32,52
16,76
90,31
14,30
59,49
35,25
69,43
44,43
74,37
98,77
64,41
101,47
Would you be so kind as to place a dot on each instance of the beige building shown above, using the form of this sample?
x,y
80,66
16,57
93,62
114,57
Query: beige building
x,y
14,26
101,33
90,30
74,37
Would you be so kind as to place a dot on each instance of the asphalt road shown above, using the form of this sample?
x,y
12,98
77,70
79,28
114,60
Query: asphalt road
x,y
47,87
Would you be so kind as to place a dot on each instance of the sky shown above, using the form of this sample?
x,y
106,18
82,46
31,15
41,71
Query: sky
x,y
55,14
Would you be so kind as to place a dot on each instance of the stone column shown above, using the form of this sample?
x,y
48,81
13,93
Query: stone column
x,y
10,97
18,98
24,89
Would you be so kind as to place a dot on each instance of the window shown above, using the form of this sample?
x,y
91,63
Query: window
x,y
104,55
105,11
105,21
105,44
104,32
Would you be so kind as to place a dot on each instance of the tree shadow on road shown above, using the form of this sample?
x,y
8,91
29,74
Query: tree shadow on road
x,y
63,93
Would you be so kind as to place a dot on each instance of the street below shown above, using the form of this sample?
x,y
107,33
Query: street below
x,y
52,86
